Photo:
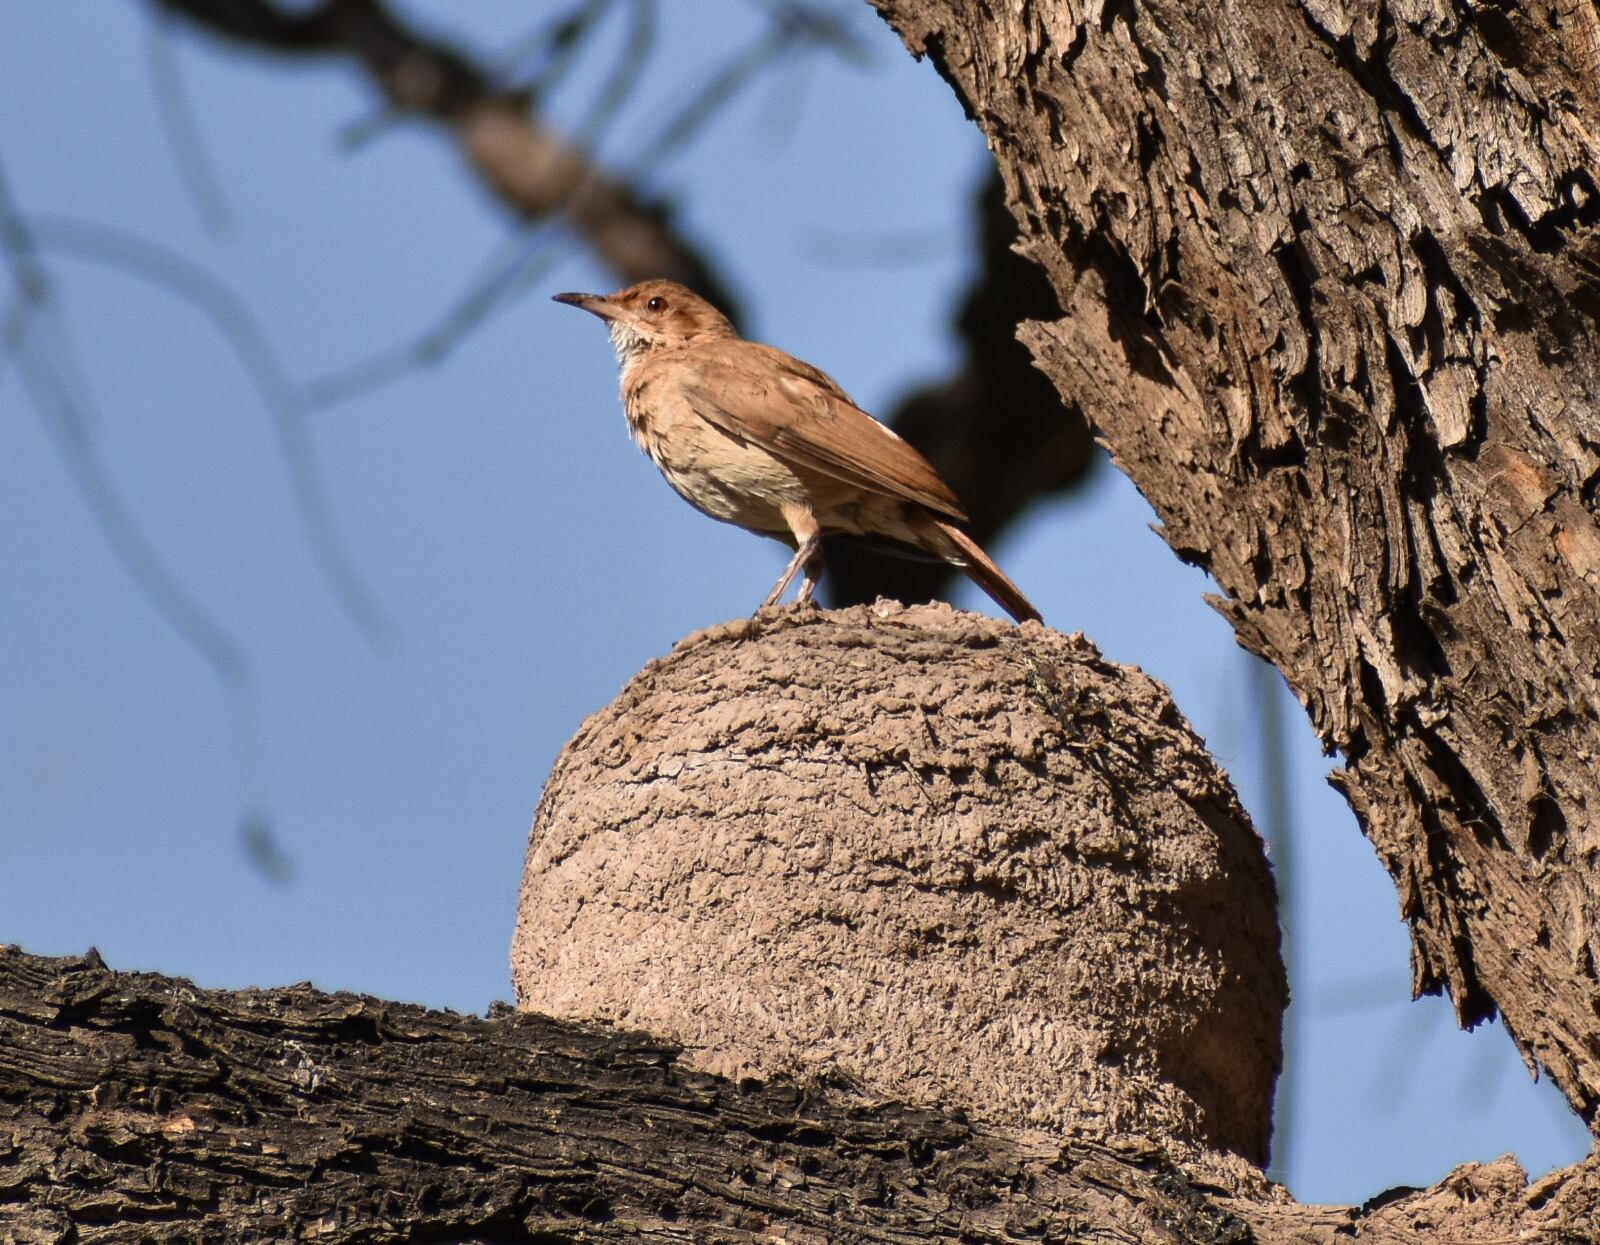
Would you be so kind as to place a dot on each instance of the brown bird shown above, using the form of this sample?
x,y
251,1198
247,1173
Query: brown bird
x,y
755,437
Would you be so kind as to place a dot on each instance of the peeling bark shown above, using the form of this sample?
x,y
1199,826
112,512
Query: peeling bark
x,y
1330,276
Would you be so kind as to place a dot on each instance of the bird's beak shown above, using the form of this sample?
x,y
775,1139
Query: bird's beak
x,y
594,304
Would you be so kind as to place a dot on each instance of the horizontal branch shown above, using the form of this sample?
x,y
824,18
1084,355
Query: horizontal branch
x,y
140,1107
180,1112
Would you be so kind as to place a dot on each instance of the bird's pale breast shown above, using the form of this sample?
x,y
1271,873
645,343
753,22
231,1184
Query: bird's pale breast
x,y
718,474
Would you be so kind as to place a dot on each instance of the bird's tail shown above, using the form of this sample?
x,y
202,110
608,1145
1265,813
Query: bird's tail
x,y
961,550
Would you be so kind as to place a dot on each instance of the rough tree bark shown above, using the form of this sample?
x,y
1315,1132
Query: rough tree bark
x,y
1330,275
138,1108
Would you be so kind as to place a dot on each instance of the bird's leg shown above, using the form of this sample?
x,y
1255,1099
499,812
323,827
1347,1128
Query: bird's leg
x,y
808,586
808,552
808,549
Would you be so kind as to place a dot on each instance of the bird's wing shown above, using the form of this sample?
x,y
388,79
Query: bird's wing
x,y
790,409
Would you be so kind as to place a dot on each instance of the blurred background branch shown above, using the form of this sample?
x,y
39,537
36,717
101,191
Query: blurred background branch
x,y
536,173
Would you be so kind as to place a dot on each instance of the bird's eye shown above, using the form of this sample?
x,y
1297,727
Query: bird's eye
x,y
656,304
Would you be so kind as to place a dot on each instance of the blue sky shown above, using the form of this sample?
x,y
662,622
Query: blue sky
x,y
528,556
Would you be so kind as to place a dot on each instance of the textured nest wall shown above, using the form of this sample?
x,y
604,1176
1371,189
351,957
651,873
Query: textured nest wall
x,y
947,858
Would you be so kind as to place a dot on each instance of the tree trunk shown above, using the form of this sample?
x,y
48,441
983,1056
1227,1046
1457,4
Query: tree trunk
x,y
1330,276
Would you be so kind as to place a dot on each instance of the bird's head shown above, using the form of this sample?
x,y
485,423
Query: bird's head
x,y
650,315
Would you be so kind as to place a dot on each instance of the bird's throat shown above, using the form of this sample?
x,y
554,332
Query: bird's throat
x,y
628,342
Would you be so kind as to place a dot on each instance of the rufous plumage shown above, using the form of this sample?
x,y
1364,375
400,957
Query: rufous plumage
x,y
752,436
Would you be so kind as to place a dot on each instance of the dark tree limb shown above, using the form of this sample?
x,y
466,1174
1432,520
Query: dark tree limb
x,y
141,1108
135,1107
1330,280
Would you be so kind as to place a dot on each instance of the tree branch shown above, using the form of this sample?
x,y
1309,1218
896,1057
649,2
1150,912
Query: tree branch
x,y
135,1107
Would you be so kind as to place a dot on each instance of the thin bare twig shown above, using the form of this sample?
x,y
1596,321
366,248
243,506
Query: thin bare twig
x,y
535,254
41,350
39,344
181,128
280,394
783,106
559,40
262,849
620,82
832,28
736,73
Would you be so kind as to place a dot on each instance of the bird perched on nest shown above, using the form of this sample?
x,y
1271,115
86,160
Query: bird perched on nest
x,y
753,436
